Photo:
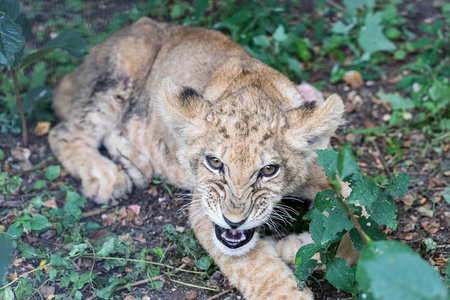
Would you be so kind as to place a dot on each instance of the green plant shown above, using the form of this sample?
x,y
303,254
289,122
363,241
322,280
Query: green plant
x,y
14,31
381,272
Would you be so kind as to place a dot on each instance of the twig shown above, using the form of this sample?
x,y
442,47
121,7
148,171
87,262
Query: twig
x,y
338,6
218,295
40,165
336,186
95,212
151,279
4,203
19,106
380,155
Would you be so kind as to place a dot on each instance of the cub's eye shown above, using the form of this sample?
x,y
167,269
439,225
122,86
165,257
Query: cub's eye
x,y
269,170
214,163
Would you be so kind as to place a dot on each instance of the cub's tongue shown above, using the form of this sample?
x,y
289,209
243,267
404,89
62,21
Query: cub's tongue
x,y
233,238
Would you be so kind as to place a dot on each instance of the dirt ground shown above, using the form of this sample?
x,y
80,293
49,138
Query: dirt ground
x,y
423,214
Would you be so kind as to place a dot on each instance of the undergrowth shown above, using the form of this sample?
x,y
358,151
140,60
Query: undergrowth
x,y
364,37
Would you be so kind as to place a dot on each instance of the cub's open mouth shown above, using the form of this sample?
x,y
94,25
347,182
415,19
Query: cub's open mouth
x,y
233,238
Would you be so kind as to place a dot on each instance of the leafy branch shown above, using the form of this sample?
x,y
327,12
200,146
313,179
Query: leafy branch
x,y
14,32
382,270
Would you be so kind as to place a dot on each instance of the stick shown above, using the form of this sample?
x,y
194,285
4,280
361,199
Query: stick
x,y
19,106
380,155
218,295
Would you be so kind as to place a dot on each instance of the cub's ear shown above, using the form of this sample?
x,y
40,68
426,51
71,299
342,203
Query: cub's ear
x,y
181,108
312,124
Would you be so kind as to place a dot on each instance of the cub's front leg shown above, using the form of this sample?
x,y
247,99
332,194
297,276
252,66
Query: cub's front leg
x,y
260,274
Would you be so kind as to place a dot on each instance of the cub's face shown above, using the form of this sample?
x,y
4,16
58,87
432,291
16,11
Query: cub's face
x,y
244,153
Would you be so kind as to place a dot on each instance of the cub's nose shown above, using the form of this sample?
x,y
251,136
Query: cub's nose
x,y
234,225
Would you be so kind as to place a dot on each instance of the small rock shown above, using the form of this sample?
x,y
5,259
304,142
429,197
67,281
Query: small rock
x,y
386,117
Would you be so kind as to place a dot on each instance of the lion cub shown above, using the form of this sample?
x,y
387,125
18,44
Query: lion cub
x,y
191,104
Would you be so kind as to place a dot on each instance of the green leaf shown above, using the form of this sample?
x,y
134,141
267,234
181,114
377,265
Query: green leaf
x,y
52,274
69,40
365,191
11,40
340,275
280,34
305,253
106,292
336,222
261,40
33,57
305,270
391,270
316,227
24,289
57,261
52,172
7,294
371,38
5,254
39,184
398,185
371,228
200,8
328,160
10,7
347,167
40,222
108,247
204,263
2,155
384,211
397,101
15,230
27,251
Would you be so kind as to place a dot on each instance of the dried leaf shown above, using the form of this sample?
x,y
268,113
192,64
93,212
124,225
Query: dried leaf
x,y
136,208
41,128
431,226
129,297
191,295
140,239
130,215
51,203
22,155
354,79
12,277
47,291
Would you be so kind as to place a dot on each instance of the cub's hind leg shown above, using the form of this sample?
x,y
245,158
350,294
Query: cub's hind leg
x,y
76,140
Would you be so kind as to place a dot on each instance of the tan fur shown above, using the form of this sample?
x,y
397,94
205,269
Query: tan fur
x,y
130,96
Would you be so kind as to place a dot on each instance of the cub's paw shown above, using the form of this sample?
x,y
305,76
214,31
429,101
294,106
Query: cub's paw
x,y
105,184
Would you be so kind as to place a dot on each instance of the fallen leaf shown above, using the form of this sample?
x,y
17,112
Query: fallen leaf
x,y
12,277
128,269
18,262
431,226
354,79
129,297
51,203
136,208
425,212
130,215
140,239
188,261
47,291
41,128
434,183
122,213
153,191
408,235
30,239
395,79
191,295
108,219
408,199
